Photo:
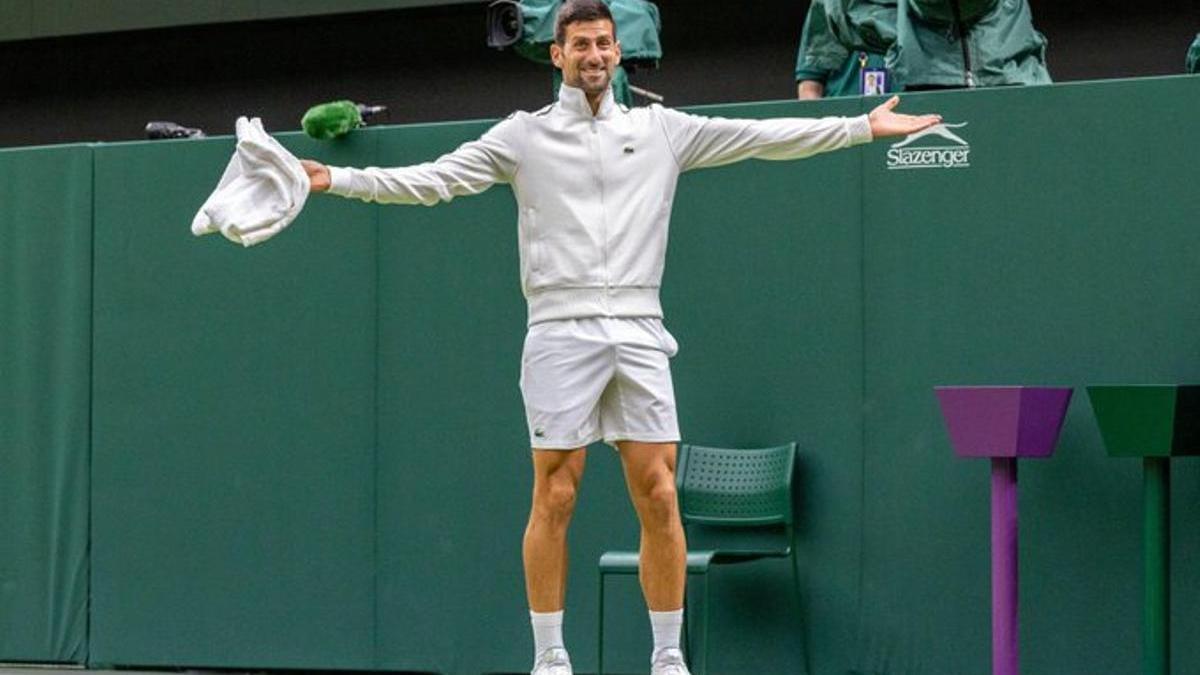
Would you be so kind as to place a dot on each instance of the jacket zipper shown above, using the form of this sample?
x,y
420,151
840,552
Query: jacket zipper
x,y
968,69
599,150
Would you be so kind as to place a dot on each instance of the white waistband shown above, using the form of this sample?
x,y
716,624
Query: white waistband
x,y
552,304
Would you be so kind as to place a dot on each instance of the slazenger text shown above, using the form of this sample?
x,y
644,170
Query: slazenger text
x,y
929,158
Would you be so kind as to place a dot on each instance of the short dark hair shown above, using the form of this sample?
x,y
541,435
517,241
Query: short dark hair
x,y
580,10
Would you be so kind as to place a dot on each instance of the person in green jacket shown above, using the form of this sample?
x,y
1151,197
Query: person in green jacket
x,y
943,44
828,64
935,44
1193,56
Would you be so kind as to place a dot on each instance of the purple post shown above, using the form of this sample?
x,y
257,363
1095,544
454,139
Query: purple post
x,y
1004,566
1004,423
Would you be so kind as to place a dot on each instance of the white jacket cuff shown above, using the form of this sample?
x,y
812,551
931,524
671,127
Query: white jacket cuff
x,y
860,130
340,181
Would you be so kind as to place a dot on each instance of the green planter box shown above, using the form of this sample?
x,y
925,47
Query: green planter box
x,y
1154,420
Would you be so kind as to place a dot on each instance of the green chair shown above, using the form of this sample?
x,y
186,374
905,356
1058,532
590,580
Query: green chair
x,y
736,504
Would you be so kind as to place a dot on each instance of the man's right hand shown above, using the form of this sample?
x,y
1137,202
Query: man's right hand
x,y
318,175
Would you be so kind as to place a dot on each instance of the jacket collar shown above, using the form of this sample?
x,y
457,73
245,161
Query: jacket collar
x,y
574,101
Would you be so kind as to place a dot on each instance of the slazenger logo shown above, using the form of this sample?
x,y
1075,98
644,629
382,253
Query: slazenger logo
x,y
954,155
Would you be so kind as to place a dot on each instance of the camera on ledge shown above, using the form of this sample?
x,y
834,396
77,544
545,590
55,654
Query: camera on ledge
x,y
160,130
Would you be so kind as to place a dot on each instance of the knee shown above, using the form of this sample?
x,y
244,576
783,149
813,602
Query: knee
x,y
554,503
657,503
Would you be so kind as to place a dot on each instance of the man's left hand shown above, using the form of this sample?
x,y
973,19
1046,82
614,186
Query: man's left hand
x,y
886,123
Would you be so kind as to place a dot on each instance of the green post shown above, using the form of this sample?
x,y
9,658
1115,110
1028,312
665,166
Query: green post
x,y
1156,423
1156,641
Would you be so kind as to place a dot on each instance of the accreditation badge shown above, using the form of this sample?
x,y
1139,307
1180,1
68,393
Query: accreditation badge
x,y
873,81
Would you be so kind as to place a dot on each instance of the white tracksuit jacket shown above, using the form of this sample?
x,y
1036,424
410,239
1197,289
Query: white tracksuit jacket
x,y
595,191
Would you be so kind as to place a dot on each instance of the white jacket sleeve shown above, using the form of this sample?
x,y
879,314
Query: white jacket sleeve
x,y
470,169
699,142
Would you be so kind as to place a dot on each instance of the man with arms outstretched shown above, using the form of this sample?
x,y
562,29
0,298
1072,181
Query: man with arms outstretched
x,y
594,182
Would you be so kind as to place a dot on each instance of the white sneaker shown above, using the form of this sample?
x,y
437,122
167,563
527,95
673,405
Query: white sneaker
x,y
669,662
553,661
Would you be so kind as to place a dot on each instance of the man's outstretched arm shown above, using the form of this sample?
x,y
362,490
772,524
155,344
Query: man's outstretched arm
x,y
699,142
470,169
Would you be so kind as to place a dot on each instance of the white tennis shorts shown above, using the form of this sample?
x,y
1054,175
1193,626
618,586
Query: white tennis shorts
x,y
589,379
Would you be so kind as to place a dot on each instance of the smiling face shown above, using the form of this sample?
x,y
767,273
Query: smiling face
x,y
588,56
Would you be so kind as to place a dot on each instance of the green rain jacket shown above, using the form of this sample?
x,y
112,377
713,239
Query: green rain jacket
x,y
862,25
825,56
942,12
1193,56
1002,45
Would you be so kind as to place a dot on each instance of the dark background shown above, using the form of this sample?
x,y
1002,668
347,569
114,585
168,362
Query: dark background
x,y
432,64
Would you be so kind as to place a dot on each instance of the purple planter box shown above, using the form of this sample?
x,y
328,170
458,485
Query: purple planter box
x,y
1004,421
1004,424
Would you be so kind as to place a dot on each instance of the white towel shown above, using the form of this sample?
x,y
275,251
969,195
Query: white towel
x,y
261,192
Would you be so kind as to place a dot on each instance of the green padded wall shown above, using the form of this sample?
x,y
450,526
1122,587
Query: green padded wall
x,y
45,336
454,477
1065,255
763,291
234,423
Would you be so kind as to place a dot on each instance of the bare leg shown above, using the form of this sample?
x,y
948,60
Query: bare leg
x,y
650,477
556,477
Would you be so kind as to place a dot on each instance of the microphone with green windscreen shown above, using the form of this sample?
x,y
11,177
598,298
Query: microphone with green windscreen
x,y
338,118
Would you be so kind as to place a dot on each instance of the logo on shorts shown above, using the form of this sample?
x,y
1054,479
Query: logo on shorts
x,y
956,154
539,432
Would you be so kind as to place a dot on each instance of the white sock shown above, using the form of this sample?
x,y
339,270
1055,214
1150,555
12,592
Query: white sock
x,y
666,627
547,630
